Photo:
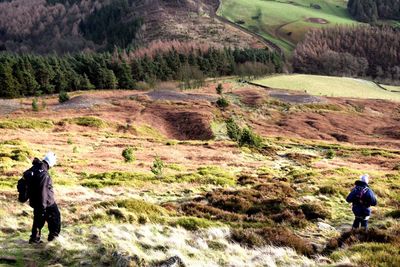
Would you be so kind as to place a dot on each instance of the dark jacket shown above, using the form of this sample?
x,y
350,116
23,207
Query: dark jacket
x,y
40,185
362,198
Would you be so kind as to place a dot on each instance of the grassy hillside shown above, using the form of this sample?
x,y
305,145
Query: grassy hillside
x,y
271,195
331,86
285,22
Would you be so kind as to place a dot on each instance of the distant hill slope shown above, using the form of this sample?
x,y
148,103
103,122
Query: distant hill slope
x,y
62,26
285,22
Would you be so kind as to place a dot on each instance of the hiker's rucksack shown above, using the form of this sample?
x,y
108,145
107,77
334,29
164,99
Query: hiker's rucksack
x,y
22,187
360,195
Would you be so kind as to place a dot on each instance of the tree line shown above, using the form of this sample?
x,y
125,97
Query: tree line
x,y
372,10
29,75
360,51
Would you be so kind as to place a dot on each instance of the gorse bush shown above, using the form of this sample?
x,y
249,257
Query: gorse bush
x,y
158,167
128,155
233,130
35,104
245,136
250,139
222,102
219,89
330,154
63,97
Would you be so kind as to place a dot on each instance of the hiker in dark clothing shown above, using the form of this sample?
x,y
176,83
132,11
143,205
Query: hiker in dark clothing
x,y
37,186
362,198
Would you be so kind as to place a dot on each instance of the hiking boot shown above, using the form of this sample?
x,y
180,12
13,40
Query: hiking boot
x,y
52,237
35,241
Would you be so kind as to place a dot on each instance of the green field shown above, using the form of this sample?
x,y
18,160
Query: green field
x,y
330,86
284,22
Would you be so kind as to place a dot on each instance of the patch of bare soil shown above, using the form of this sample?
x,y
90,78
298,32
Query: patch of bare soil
x,y
317,20
251,96
181,122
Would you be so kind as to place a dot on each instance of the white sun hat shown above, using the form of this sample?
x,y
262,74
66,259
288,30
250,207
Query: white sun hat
x,y
364,178
50,158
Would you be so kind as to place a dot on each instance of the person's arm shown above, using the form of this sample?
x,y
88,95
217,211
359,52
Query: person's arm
x,y
372,198
350,197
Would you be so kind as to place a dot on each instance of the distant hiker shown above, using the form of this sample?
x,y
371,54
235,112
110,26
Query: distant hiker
x,y
362,198
37,186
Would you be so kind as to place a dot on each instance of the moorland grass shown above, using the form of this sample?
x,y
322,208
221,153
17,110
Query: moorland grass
x,y
88,121
25,123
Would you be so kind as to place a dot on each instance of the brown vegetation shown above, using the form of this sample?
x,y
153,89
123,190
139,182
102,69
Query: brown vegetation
x,y
267,203
350,51
277,236
351,237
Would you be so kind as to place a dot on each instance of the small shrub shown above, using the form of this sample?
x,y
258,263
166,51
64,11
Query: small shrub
x,y
63,97
158,167
75,150
222,102
69,141
128,155
35,105
219,89
250,139
330,154
233,129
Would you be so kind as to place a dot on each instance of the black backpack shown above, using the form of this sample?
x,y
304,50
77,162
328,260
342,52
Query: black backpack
x,y
22,187
360,195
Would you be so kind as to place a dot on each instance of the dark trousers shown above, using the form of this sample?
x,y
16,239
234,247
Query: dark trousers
x,y
52,216
363,221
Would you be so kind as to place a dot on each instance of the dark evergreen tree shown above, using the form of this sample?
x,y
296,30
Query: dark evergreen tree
x,y
8,84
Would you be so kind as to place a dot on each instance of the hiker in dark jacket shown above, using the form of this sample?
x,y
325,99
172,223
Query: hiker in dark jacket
x,y
39,191
362,198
